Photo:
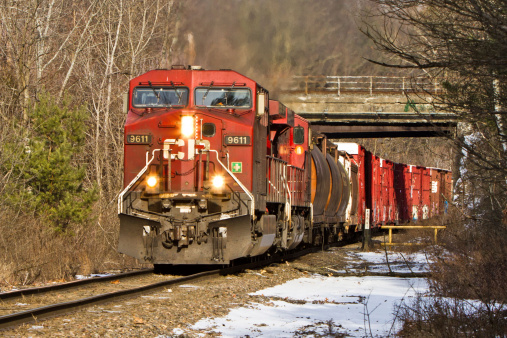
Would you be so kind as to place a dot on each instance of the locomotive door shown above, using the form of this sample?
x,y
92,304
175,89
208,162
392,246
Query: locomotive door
x,y
425,192
416,186
434,194
400,193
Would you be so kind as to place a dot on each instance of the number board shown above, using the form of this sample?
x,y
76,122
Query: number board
x,y
237,140
138,139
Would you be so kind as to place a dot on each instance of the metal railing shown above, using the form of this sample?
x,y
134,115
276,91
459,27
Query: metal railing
x,y
296,185
277,180
282,179
396,227
364,84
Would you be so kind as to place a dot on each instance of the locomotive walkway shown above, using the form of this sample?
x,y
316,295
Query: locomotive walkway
x,y
368,106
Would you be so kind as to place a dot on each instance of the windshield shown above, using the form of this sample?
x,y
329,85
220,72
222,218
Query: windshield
x,y
223,97
159,97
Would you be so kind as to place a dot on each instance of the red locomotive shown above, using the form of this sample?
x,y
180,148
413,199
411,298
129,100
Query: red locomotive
x,y
216,171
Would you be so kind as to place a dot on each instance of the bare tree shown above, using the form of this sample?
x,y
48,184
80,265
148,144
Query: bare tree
x,y
37,40
123,40
463,45
80,53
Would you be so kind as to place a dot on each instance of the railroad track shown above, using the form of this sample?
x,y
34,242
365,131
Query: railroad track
x,y
73,284
60,308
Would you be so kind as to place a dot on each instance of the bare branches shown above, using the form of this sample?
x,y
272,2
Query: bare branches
x,y
466,42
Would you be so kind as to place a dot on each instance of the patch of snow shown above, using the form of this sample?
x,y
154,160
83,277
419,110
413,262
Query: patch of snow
x,y
36,327
473,138
399,263
80,277
178,331
189,286
355,304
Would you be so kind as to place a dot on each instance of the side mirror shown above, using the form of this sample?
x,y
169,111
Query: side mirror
x,y
261,104
126,103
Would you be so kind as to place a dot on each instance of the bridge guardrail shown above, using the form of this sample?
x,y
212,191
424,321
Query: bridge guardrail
x,y
365,84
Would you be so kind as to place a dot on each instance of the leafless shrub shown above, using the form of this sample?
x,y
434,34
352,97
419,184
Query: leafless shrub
x,y
451,317
467,284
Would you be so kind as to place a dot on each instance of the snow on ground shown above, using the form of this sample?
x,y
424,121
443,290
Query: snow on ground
x,y
93,275
357,306
399,262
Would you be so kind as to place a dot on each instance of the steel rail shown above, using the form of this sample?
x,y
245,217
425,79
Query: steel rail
x,y
44,312
73,284
41,313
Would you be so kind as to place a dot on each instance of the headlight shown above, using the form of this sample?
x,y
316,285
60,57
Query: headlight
x,y
218,181
152,181
187,126
299,150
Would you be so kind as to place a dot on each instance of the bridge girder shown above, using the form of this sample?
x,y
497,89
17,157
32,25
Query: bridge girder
x,y
363,107
332,130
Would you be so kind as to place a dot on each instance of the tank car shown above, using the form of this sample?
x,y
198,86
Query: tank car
x,y
215,171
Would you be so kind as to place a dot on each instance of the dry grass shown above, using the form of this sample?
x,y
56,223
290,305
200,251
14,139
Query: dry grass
x,y
31,252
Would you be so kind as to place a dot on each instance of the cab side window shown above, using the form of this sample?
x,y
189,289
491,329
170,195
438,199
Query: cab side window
x,y
299,135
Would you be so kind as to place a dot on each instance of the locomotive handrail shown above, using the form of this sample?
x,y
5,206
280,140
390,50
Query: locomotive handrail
x,y
280,184
296,184
252,205
288,204
141,173
275,173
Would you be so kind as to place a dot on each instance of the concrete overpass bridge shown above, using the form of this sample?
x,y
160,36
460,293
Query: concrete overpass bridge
x,y
368,106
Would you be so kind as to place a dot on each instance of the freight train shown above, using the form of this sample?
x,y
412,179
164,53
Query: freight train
x,y
216,171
